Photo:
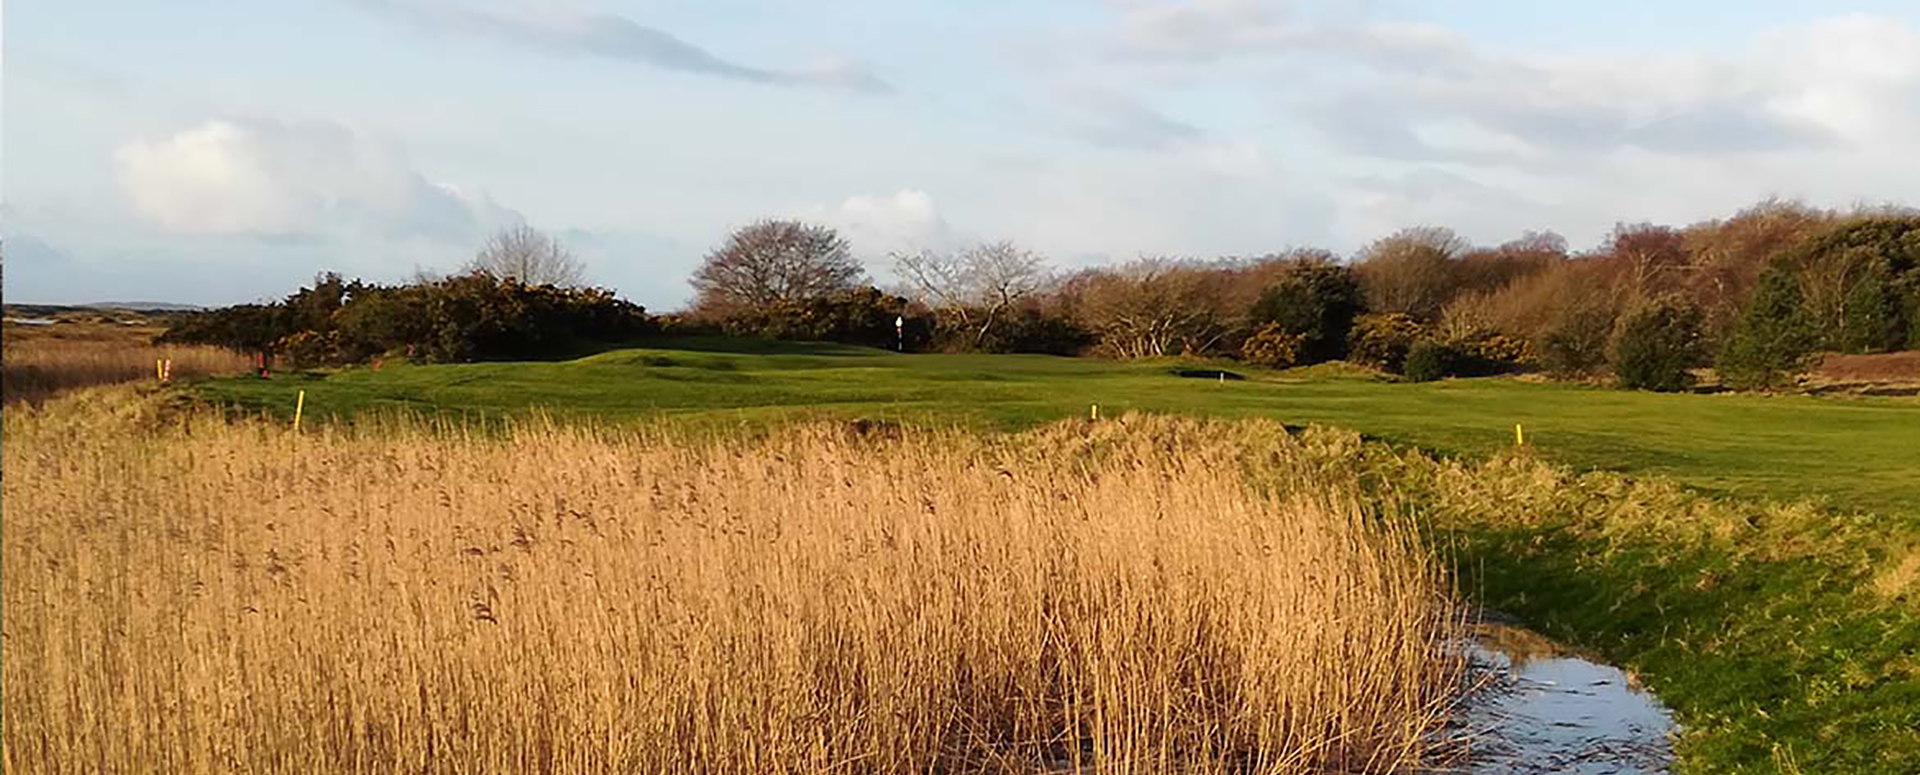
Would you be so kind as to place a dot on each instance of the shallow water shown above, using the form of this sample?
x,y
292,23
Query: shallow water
x,y
1548,711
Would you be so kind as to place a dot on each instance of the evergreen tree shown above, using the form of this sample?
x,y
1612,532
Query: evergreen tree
x,y
1772,340
1656,346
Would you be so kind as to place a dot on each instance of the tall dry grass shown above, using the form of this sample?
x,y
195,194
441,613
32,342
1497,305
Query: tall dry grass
x,y
188,596
35,368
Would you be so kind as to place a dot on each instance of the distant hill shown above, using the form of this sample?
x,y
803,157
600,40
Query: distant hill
x,y
41,310
144,306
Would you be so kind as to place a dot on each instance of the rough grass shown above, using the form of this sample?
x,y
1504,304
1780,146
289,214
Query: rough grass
x,y
187,595
1784,635
40,362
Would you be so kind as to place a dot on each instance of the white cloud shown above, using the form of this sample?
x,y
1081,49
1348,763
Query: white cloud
x,y
1381,86
299,179
906,221
1386,122
559,30
1114,119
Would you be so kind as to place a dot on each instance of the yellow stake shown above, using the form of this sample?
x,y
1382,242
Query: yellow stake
x,y
157,372
299,406
1519,436
1095,413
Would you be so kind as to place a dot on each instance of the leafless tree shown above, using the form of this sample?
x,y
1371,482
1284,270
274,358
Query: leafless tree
x,y
1412,271
531,256
1653,258
977,286
1729,255
1155,307
775,261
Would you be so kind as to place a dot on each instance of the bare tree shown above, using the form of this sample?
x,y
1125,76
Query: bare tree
x,y
1155,307
1412,271
1654,258
977,286
1728,255
531,256
775,261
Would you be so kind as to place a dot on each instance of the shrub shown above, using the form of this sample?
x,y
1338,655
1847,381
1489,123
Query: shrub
x,y
310,348
383,320
1024,329
1274,347
469,317
864,316
1315,302
1490,352
478,317
1656,345
1383,340
245,327
1429,360
1577,346
1772,340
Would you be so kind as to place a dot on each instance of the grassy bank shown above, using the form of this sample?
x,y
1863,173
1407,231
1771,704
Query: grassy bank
x,y
1785,636
232,598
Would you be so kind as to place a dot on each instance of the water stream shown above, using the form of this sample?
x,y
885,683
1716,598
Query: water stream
x,y
1546,710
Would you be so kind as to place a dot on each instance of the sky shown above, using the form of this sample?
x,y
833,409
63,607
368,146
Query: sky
x,y
224,151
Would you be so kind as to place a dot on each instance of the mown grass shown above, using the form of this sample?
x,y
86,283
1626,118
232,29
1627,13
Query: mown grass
x,y
1855,453
189,595
1784,635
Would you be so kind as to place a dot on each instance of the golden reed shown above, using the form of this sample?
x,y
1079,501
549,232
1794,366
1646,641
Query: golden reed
x,y
34,369
187,595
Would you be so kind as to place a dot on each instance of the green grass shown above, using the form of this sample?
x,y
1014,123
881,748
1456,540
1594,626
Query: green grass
x,y
1853,453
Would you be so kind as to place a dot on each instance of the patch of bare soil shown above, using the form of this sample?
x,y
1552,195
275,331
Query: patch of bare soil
x,y
1895,374
1879,367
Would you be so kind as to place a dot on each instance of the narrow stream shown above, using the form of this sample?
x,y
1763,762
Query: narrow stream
x,y
1546,710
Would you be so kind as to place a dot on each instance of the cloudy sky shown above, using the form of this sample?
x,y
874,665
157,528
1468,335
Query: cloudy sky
x,y
213,152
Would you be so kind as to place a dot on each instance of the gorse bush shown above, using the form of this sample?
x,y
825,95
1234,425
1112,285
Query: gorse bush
x,y
1274,347
1488,352
863,316
1383,340
464,318
1314,301
1657,346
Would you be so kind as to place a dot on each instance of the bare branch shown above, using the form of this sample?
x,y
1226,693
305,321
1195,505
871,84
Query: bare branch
x,y
530,256
776,261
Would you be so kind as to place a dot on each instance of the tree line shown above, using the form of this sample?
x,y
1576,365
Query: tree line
x,y
1754,295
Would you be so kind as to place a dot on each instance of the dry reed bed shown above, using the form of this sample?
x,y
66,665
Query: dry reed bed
x,y
33,369
197,597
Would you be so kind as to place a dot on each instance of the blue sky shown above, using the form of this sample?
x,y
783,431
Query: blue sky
x,y
211,151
